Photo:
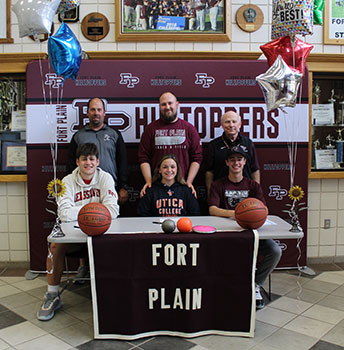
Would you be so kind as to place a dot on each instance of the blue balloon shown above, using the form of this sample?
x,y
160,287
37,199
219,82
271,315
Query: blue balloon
x,y
65,52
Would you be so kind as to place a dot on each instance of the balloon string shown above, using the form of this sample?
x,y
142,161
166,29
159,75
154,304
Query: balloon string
x,y
49,118
54,146
292,146
52,134
42,79
299,268
303,65
293,47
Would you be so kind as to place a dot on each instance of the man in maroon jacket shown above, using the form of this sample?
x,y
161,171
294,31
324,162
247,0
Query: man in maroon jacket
x,y
170,134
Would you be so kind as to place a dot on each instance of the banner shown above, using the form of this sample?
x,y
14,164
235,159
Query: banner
x,y
131,119
170,23
131,89
183,285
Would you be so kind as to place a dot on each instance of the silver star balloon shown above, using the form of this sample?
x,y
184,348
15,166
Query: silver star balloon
x,y
280,85
35,17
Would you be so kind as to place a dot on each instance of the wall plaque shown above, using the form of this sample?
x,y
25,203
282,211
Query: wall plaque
x,y
249,18
70,15
95,26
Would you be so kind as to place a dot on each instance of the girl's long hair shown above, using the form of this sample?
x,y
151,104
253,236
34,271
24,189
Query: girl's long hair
x,y
179,177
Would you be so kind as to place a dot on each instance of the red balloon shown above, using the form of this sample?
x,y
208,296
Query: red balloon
x,y
295,57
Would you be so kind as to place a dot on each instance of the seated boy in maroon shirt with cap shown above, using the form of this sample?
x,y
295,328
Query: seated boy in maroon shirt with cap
x,y
226,193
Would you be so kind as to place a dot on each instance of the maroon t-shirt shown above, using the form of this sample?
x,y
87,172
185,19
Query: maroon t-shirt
x,y
226,194
179,138
129,3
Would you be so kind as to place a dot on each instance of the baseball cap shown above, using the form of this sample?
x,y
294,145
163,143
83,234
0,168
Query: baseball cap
x,y
239,149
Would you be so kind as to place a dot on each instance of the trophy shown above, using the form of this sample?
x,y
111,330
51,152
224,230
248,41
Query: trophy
x,y
332,101
316,93
316,145
339,131
339,148
330,139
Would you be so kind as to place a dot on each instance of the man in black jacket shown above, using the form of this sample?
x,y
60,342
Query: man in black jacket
x,y
217,151
112,151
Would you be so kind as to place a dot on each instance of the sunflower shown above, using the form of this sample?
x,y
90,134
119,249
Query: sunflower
x,y
56,188
296,193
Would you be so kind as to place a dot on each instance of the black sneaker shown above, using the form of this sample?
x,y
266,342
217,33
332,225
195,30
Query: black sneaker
x,y
82,275
260,304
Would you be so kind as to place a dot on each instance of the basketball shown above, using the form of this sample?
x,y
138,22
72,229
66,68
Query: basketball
x,y
251,213
94,219
184,225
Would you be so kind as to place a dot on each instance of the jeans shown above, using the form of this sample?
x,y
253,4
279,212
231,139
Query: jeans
x,y
269,254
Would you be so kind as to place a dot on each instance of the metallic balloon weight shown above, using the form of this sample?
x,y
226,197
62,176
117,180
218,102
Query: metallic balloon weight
x,y
65,52
35,17
168,226
280,85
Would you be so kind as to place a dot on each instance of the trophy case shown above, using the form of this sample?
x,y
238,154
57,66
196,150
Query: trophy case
x,y
326,125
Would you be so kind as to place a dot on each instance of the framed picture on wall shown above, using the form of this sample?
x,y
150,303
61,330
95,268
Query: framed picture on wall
x,y
70,16
5,21
334,22
173,20
13,156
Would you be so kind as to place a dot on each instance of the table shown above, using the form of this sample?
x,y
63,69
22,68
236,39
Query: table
x,y
146,284
278,229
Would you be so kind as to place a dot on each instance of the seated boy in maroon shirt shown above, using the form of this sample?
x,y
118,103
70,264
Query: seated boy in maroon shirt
x,y
226,193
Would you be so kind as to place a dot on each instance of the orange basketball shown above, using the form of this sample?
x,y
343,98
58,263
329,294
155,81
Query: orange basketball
x,y
94,219
184,225
251,213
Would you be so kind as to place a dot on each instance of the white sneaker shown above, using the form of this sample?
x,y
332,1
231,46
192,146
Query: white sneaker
x,y
259,299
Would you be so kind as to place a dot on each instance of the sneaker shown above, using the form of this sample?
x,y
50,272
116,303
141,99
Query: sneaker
x,y
82,273
259,299
51,303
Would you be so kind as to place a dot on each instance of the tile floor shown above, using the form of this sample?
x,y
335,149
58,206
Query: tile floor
x,y
306,312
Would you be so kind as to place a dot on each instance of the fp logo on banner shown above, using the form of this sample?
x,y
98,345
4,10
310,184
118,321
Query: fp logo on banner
x,y
277,191
53,80
129,80
204,80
